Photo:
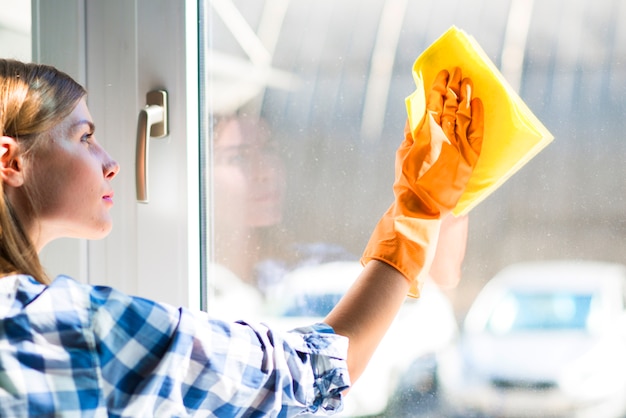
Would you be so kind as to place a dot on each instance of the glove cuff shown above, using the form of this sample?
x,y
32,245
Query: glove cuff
x,y
408,244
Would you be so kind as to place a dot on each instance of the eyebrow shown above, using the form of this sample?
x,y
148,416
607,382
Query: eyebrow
x,y
80,122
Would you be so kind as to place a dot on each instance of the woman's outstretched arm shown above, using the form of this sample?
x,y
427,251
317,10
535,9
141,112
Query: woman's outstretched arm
x,y
367,310
433,166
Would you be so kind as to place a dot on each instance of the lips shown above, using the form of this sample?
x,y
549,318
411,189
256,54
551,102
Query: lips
x,y
265,197
108,197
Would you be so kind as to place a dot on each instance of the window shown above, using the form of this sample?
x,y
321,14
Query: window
x,y
304,108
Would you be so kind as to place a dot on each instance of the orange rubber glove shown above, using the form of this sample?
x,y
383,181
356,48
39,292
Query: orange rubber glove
x,y
433,165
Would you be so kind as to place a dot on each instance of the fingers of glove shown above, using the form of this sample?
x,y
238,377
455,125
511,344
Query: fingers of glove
x,y
464,118
408,135
435,99
466,92
471,138
469,123
476,129
413,152
451,104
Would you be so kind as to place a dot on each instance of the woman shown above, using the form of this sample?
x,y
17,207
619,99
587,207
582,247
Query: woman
x,y
254,250
249,184
72,349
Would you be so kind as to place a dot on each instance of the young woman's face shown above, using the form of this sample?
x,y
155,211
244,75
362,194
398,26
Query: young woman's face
x,y
69,176
249,177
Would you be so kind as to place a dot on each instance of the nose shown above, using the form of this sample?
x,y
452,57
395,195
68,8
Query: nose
x,y
264,164
110,167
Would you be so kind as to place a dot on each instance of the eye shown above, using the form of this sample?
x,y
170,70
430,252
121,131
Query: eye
x,y
87,137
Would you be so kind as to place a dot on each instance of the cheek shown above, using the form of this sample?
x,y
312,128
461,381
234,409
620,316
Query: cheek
x,y
45,190
281,181
71,187
231,191
229,183
59,195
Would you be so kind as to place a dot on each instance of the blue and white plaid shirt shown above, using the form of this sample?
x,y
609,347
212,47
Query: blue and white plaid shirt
x,y
70,349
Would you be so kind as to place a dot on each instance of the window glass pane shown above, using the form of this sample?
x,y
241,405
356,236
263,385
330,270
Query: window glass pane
x,y
306,110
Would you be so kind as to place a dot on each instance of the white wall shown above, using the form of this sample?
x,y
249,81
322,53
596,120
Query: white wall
x,y
15,29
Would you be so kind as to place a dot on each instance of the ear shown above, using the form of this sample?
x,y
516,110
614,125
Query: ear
x,y
11,171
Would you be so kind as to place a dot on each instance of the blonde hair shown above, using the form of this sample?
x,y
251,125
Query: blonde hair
x,y
34,98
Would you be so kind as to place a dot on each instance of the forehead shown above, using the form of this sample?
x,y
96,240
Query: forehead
x,y
80,118
242,133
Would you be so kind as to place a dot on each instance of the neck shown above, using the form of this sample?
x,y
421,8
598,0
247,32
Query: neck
x,y
239,252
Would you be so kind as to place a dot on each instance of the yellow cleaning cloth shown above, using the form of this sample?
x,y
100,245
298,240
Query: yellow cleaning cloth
x,y
513,135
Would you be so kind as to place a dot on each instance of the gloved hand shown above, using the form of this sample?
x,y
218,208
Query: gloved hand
x,y
433,165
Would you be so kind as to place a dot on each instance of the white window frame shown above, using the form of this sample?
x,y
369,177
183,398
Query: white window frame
x,y
120,50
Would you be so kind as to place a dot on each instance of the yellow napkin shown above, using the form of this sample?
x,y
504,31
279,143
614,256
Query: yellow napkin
x,y
513,135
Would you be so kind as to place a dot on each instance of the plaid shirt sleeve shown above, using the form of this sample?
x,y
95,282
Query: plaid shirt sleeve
x,y
76,350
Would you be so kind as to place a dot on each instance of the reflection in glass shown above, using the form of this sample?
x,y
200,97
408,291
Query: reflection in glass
x,y
326,80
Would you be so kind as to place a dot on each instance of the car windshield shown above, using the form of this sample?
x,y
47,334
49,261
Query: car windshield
x,y
520,311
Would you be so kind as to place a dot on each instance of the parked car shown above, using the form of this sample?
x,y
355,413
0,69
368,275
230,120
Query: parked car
x,y
422,328
541,339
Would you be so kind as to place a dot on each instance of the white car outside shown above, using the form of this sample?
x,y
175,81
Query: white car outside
x,y
542,339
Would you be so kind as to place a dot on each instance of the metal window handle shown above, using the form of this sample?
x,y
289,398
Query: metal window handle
x,y
152,123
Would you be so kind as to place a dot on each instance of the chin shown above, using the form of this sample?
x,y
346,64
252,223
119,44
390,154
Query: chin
x,y
265,219
101,232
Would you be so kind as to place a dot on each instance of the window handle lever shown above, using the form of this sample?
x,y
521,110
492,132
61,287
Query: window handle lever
x,y
152,123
